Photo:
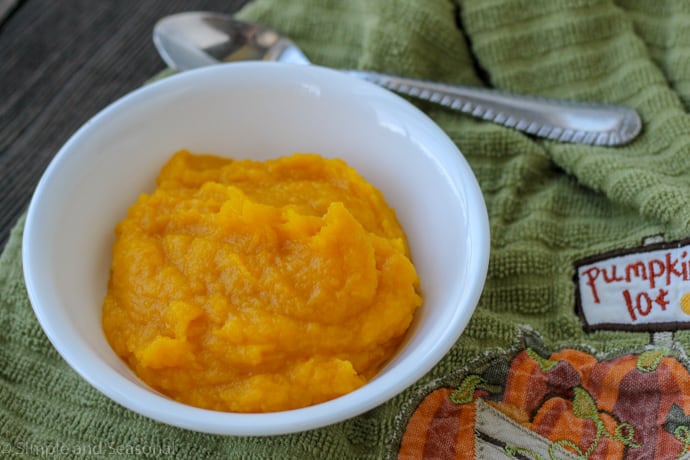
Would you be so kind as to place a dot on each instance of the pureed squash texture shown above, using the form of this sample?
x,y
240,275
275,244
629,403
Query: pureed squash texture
x,y
250,286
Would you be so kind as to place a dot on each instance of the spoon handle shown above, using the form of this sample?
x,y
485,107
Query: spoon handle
x,y
564,121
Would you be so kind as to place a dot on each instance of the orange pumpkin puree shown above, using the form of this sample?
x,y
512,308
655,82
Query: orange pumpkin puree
x,y
250,286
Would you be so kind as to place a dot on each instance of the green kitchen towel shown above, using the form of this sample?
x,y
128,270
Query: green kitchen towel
x,y
578,347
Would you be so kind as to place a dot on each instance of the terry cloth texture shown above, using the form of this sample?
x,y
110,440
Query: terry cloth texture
x,y
551,207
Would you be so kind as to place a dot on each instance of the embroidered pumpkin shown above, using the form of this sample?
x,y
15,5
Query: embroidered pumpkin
x,y
564,405
439,428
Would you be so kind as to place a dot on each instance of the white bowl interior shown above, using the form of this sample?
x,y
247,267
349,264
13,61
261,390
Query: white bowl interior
x,y
252,110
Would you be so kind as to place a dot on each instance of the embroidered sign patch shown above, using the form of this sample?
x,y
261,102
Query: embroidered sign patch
x,y
646,288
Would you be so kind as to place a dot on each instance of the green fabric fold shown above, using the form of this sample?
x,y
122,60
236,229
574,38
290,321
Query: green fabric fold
x,y
550,204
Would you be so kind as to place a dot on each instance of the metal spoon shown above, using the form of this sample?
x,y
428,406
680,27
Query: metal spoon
x,y
197,39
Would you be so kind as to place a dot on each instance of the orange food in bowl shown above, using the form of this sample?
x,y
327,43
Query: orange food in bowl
x,y
251,286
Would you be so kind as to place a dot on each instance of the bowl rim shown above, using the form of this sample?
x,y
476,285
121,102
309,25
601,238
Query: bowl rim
x,y
168,411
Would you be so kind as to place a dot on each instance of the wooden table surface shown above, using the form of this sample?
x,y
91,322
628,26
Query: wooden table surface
x,y
60,63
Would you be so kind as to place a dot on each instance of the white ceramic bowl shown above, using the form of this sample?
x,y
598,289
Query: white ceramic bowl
x,y
252,110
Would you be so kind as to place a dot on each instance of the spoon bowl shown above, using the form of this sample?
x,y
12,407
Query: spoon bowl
x,y
197,39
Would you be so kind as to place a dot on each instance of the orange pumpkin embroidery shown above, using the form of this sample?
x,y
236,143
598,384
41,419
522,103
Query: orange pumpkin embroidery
x,y
564,405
